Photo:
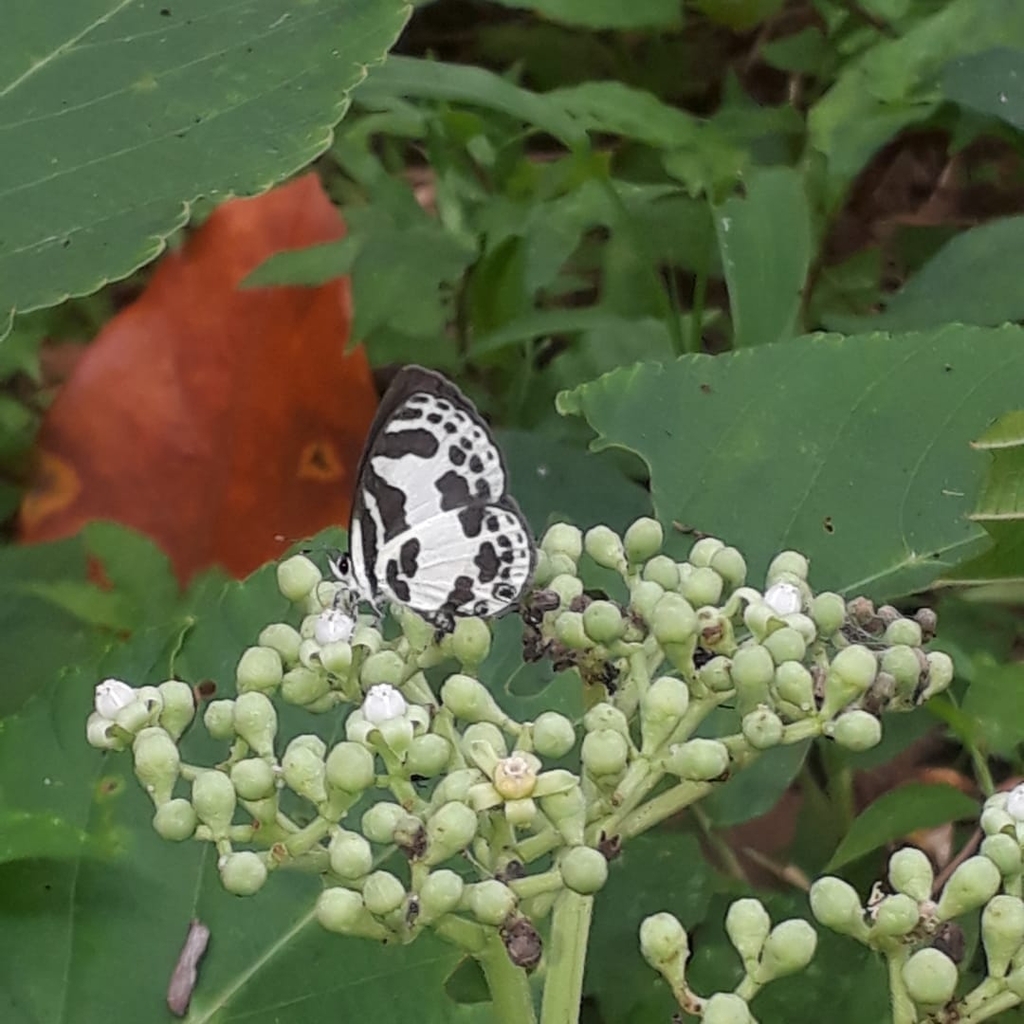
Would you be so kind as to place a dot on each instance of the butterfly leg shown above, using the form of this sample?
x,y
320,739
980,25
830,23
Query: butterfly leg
x,y
443,621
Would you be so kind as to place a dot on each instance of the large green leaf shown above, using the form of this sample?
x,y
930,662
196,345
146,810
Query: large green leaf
x,y
765,278
894,83
605,14
973,279
116,114
102,926
853,450
991,83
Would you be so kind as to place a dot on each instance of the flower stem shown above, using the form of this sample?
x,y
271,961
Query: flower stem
x,y
509,985
903,1009
566,958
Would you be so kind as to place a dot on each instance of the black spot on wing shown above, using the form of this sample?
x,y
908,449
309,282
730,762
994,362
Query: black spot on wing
x,y
471,519
482,489
476,464
393,444
407,412
399,587
487,562
456,455
408,557
453,490
504,592
461,593
390,505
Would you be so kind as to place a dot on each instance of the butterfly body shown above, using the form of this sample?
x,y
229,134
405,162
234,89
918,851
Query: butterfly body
x,y
433,526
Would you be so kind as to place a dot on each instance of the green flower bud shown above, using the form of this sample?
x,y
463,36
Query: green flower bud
x,y
256,722
567,586
490,735
762,729
253,779
383,893
699,760
304,772
604,752
903,664
471,641
995,820
726,1008
786,644
213,798
428,755
1004,851
661,707
663,943
787,562
583,869
382,667
973,883
852,672
836,905
350,768
490,902
1002,932
296,577
910,872
142,711
243,873
336,658
367,637
175,820
219,719
450,829
606,716
309,654
643,539
896,915
903,631
662,570
468,699
569,630
930,977
440,894
673,620
284,639
259,669
857,730
747,924
553,735
179,707
342,910
379,822
157,763
752,671
603,622
563,539
940,673
703,551
560,564
701,587
828,611
604,547
644,597
568,813
302,686
789,948
716,674
730,565
795,685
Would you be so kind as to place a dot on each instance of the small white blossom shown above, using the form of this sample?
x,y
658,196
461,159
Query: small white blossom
x,y
383,702
96,733
1015,803
333,626
111,696
783,598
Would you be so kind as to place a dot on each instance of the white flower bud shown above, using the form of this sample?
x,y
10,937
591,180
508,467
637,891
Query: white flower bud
x,y
111,696
784,598
383,703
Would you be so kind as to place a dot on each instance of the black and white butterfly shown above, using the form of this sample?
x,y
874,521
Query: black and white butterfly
x,y
433,526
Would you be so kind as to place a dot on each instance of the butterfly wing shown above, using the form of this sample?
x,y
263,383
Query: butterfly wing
x,y
432,525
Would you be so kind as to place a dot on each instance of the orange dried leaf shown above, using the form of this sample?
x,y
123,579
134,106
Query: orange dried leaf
x,y
222,423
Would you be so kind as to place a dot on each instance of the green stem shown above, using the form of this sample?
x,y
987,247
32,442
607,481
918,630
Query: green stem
x,y
997,1004
725,853
567,955
700,290
903,1009
509,986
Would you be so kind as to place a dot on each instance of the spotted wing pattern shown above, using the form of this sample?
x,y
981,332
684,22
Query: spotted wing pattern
x,y
433,526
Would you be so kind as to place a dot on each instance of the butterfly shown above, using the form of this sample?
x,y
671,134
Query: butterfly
x,y
433,526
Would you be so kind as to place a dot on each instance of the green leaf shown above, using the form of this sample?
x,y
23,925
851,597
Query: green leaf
x,y
765,293
899,812
894,83
413,78
972,279
604,14
853,450
990,83
116,115
312,266
993,707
